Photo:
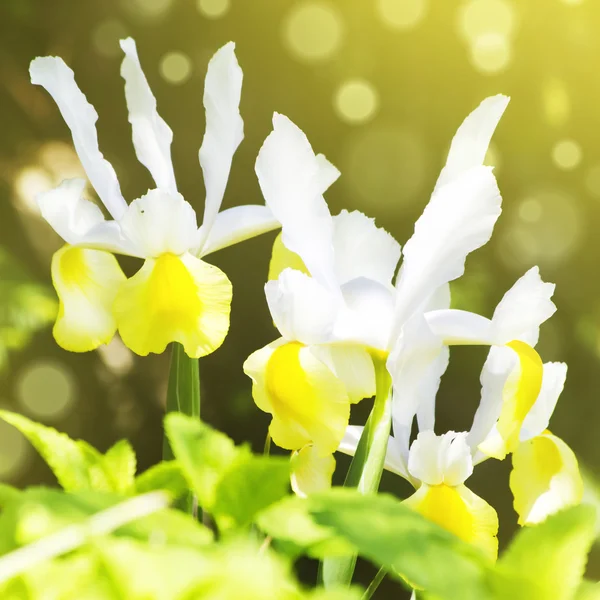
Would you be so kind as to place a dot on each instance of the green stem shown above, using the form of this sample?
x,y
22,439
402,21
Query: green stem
x,y
183,395
366,468
374,584
267,449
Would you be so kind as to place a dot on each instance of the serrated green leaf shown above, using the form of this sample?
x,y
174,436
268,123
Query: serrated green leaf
x,y
547,561
120,465
166,476
406,544
203,453
250,484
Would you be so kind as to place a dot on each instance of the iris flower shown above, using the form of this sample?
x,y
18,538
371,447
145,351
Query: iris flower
x,y
341,318
176,295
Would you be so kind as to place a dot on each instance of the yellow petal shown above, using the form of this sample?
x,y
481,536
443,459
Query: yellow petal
x,y
308,402
282,258
519,396
86,282
174,299
311,472
461,512
545,478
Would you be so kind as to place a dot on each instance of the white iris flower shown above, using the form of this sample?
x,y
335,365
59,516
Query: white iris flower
x,y
176,295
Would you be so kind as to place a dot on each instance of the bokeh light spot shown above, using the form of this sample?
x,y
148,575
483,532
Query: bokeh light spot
x,y
573,2
385,165
548,235
313,31
106,36
116,356
480,17
356,101
402,14
28,183
175,67
15,451
556,102
46,390
150,9
490,53
567,154
214,9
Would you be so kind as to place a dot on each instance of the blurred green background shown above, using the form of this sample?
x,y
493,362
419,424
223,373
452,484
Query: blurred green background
x,y
379,86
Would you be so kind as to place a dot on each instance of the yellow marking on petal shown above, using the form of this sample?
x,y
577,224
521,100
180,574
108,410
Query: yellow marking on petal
x,y
87,282
545,478
282,258
308,402
460,511
174,299
311,472
518,398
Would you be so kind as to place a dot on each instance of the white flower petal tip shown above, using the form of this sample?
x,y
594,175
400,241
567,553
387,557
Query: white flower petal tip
x,y
545,478
440,459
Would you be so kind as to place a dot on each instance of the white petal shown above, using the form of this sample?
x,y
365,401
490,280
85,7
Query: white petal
x,y
353,365
523,309
472,139
460,327
152,137
367,314
80,222
538,418
500,364
224,129
394,461
328,174
238,224
440,459
79,115
362,249
303,310
459,218
159,223
411,364
429,389
291,179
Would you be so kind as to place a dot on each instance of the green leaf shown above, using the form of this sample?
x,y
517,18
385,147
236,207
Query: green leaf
x,y
547,561
588,590
120,464
406,544
163,476
76,465
203,453
251,484
25,306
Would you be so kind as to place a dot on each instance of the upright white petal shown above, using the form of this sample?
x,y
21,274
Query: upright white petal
x,y
538,418
412,364
501,364
224,129
302,309
459,218
430,387
523,309
152,137
471,142
292,181
237,224
80,222
79,115
460,327
362,249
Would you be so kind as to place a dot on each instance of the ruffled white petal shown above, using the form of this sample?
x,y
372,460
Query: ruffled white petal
x,y
224,129
459,218
80,222
292,182
352,365
471,142
538,418
362,249
79,115
523,309
238,224
302,309
152,137
160,223
436,459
